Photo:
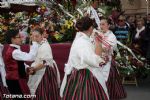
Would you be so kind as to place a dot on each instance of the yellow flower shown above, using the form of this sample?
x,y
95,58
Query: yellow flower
x,y
69,23
62,29
58,36
35,14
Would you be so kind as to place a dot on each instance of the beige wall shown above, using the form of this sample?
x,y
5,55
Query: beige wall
x,y
137,7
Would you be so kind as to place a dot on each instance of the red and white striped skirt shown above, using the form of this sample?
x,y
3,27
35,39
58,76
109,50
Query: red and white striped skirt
x,y
82,85
48,87
114,85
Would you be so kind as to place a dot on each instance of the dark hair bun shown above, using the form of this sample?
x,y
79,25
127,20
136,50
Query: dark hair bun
x,y
84,23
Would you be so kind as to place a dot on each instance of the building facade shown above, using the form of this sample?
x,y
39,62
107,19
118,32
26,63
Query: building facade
x,y
136,6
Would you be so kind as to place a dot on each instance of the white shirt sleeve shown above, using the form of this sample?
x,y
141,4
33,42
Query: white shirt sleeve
x,y
23,56
89,57
26,66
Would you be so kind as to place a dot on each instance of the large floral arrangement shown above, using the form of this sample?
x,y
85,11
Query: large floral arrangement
x,y
131,62
61,17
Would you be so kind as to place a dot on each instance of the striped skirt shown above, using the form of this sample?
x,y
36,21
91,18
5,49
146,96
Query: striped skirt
x,y
82,85
115,88
48,87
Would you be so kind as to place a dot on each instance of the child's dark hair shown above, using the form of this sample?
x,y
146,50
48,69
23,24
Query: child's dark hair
x,y
12,33
84,23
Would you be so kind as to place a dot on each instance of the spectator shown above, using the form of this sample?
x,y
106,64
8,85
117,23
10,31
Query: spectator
x,y
148,37
122,30
139,39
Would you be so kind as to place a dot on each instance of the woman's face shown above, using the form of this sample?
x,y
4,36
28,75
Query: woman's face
x,y
45,34
139,24
37,36
91,30
104,25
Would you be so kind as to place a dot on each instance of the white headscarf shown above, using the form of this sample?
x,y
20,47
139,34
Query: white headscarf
x,y
139,31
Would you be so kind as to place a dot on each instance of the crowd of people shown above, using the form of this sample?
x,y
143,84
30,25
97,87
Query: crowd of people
x,y
134,32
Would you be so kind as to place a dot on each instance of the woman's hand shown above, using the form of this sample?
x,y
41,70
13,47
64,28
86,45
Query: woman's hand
x,y
98,45
97,41
38,67
31,70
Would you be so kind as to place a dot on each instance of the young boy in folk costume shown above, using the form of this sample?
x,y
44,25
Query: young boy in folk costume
x,y
83,79
14,62
114,85
45,81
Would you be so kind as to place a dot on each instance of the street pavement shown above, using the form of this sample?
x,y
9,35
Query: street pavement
x,y
140,92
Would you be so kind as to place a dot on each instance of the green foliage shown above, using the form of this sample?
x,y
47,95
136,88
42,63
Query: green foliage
x,y
107,10
69,34
127,65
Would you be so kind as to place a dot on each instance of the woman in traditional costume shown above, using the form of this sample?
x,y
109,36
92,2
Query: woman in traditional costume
x,y
44,79
83,78
140,39
110,73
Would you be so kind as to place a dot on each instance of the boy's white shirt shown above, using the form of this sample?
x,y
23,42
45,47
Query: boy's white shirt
x,y
17,54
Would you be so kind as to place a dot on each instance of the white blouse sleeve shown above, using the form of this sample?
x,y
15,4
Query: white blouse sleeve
x,y
23,56
112,41
89,57
46,54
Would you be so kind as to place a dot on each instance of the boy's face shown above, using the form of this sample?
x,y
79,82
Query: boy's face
x,y
17,39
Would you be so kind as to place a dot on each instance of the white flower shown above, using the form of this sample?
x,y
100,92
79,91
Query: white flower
x,y
101,10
